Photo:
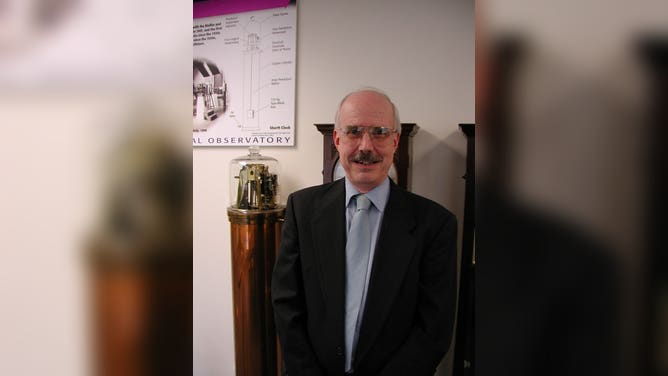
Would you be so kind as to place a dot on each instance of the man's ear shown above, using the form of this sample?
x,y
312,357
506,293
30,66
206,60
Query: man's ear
x,y
336,138
397,136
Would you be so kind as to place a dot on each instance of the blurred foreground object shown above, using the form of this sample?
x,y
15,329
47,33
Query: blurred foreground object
x,y
571,253
546,293
653,50
548,290
69,69
140,260
256,219
23,21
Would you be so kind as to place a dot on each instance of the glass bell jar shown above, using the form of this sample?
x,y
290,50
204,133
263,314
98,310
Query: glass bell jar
x,y
254,181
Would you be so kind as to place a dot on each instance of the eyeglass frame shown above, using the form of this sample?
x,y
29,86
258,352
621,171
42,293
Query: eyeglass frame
x,y
383,136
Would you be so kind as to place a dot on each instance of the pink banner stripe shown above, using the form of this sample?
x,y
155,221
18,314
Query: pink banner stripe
x,y
210,8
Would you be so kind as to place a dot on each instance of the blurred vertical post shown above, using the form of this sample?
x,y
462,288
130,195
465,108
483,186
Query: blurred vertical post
x,y
653,51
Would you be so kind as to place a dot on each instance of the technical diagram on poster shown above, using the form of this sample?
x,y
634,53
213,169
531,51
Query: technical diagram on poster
x,y
244,78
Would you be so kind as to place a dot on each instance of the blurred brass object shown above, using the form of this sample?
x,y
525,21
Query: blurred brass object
x,y
139,259
255,239
257,187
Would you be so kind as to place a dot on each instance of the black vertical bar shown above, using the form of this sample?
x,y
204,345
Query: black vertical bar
x,y
464,340
654,54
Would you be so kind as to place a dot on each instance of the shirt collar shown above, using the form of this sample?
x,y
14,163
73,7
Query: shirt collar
x,y
378,196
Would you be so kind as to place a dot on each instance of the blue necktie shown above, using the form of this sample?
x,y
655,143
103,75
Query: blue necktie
x,y
357,261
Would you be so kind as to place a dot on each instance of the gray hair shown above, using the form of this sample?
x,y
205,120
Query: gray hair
x,y
397,122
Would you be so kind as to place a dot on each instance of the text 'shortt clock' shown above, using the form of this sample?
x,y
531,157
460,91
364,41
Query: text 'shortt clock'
x,y
332,169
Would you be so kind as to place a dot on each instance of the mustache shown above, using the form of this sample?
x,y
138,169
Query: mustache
x,y
366,157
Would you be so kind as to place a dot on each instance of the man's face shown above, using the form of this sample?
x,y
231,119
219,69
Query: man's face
x,y
366,159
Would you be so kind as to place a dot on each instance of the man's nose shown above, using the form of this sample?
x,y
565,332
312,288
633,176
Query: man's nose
x,y
365,142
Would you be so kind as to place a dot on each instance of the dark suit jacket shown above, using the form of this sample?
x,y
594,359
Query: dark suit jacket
x,y
408,322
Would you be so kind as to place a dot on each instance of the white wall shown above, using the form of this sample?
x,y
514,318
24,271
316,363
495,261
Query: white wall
x,y
419,52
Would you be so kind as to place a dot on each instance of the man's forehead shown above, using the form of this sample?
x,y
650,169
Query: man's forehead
x,y
365,111
362,117
370,108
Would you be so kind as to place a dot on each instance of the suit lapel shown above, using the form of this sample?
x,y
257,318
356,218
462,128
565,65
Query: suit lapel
x,y
329,237
394,249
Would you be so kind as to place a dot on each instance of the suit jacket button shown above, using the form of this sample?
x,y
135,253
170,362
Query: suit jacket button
x,y
339,351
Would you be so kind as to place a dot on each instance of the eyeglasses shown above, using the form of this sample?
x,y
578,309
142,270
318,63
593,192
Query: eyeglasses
x,y
356,132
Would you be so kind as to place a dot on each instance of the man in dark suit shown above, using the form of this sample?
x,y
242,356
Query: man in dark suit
x,y
391,313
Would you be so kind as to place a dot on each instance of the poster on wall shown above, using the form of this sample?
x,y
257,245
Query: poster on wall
x,y
244,65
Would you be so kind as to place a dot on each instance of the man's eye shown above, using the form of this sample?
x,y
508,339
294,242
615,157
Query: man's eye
x,y
378,131
355,131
